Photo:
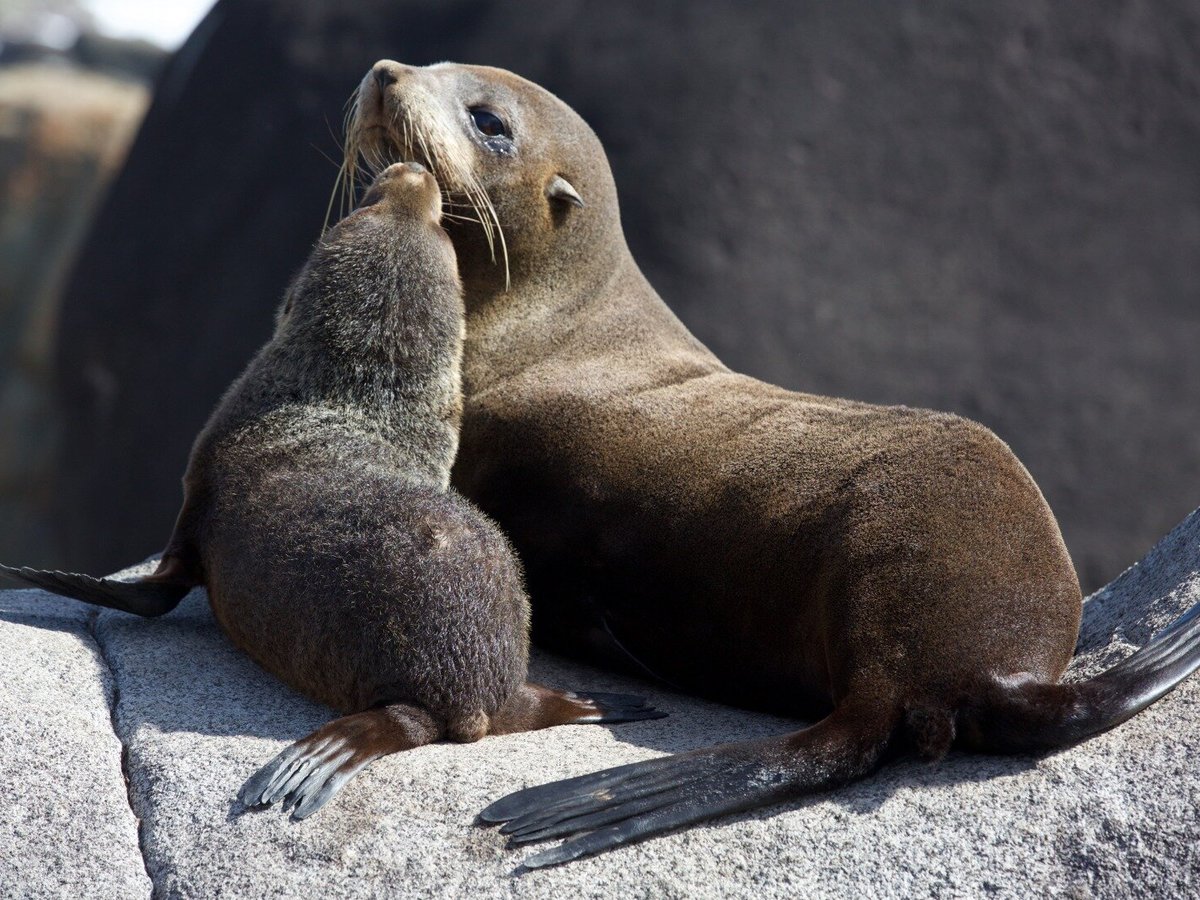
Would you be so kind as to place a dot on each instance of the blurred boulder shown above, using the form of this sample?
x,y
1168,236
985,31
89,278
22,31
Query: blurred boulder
x,y
986,208
63,134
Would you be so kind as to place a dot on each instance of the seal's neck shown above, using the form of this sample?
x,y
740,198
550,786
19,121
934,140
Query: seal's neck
x,y
370,327
395,370
555,315
372,381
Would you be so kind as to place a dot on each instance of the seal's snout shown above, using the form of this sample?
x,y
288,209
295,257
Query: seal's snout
x,y
407,174
403,182
378,89
387,72
384,77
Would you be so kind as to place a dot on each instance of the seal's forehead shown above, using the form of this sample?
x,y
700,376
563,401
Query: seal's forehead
x,y
488,79
487,75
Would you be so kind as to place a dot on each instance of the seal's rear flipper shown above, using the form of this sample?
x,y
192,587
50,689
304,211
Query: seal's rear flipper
x,y
309,772
533,706
634,802
152,596
1030,716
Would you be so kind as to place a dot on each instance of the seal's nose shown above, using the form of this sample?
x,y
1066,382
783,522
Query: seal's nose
x,y
387,72
385,78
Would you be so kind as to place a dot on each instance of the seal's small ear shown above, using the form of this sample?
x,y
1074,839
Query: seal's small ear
x,y
289,300
560,189
284,310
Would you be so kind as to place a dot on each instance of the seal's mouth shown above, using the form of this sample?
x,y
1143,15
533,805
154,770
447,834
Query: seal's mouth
x,y
381,130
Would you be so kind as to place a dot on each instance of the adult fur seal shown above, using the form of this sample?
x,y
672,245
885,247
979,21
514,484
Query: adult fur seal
x,y
894,573
317,514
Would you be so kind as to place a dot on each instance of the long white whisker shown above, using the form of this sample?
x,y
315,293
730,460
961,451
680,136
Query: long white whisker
x,y
461,189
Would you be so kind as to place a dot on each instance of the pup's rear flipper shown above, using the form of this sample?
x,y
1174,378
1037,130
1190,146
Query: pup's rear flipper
x,y
306,775
1028,716
533,706
152,596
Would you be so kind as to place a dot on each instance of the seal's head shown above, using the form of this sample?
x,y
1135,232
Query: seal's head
x,y
388,263
405,190
526,186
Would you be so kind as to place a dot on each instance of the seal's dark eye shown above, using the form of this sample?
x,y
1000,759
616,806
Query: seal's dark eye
x,y
488,123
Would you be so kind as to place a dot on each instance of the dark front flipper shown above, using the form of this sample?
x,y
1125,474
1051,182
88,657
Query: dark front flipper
x,y
608,708
1030,716
534,706
634,802
306,775
149,597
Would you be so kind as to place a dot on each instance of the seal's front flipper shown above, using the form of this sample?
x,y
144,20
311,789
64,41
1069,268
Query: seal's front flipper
x,y
634,802
534,706
309,772
608,708
151,596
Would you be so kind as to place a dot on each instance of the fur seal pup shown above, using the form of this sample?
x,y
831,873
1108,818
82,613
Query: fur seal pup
x,y
893,573
317,513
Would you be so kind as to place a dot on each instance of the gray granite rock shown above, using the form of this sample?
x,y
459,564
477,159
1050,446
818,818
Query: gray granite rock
x,y
66,829
1114,817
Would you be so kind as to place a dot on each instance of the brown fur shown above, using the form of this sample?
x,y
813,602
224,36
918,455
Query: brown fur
x,y
331,457
769,548
317,513
328,461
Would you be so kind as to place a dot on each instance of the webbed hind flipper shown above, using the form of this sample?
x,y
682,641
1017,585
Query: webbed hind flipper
x,y
1027,716
151,596
629,803
534,706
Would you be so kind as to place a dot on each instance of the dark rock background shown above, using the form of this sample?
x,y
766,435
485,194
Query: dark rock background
x,y
988,208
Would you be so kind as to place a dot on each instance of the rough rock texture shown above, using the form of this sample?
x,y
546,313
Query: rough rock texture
x,y
66,829
991,208
1114,817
